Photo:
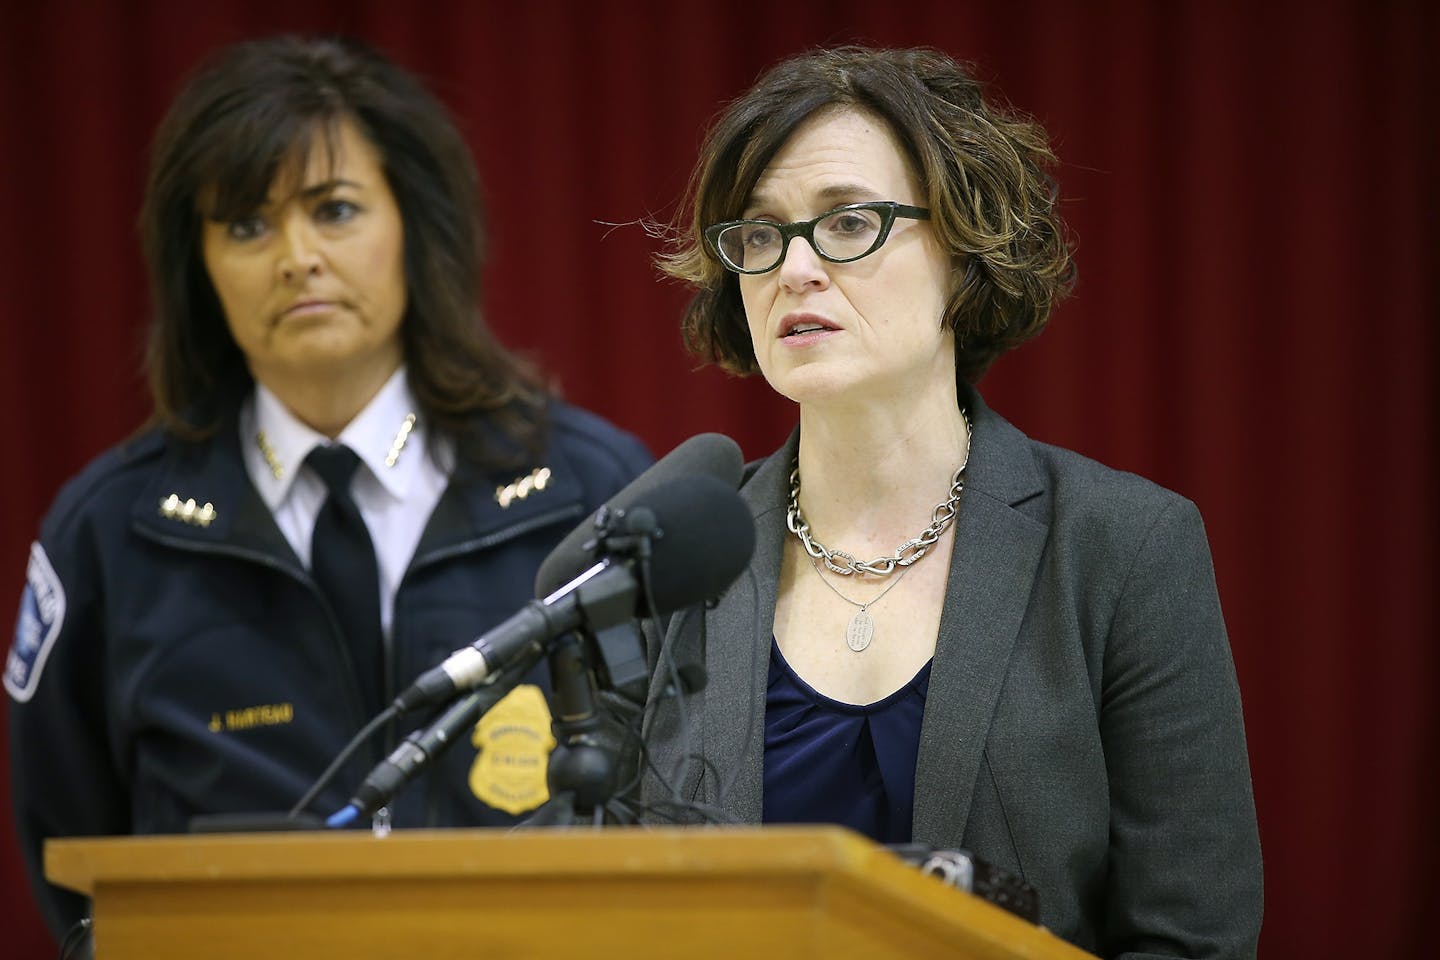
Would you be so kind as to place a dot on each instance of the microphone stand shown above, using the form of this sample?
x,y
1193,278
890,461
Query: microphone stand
x,y
581,773
582,770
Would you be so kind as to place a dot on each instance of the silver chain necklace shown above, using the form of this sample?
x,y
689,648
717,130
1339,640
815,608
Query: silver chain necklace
x,y
838,561
862,626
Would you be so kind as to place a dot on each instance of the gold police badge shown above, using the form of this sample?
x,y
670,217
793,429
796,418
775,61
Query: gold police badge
x,y
514,741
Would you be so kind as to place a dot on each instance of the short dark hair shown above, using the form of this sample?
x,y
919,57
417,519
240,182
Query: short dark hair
x,y
983,170
240,119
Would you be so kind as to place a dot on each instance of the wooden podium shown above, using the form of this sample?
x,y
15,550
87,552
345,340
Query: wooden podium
x,y
629,893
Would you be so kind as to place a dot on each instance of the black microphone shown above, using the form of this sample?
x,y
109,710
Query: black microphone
x,y
701,536
416,751
705,454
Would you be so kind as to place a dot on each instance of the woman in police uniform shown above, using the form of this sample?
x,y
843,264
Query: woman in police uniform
x,y
345,476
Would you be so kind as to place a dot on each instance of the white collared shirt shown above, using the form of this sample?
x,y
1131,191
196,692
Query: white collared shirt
x,y
395,500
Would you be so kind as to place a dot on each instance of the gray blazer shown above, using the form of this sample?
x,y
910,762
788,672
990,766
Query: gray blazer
x,y
1083,727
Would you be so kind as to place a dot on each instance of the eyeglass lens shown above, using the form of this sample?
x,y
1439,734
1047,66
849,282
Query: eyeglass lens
x,y
841,235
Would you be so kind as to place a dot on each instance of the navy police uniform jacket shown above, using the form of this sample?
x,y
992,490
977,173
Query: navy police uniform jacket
x,y
168,664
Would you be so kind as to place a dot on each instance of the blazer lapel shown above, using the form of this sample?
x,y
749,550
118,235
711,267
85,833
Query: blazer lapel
x,y
733,734
992,569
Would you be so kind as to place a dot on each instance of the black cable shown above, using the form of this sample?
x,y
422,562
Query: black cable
x,y
710,814
684,813
642,755
681,772
75,938
384,717
621,812
665,660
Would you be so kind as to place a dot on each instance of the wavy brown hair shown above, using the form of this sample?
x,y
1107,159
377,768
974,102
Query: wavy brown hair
x,y
258,109
984,172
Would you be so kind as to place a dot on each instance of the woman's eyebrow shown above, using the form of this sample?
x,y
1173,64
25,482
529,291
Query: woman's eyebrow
x,y
326,186
833,195
842,192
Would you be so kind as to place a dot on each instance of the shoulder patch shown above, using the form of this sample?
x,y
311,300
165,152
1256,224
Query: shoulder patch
x,y
42,614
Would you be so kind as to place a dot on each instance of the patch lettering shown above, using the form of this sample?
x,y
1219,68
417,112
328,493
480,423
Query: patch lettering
x,y
42,614
266,715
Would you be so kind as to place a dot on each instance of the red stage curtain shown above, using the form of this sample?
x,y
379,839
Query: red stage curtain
x,y
1253,189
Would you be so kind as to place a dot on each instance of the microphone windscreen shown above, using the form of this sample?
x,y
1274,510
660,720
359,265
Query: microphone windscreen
x,y
706,454
704,538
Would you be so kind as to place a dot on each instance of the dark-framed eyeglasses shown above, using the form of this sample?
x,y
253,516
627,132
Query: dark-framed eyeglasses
x,y
844,234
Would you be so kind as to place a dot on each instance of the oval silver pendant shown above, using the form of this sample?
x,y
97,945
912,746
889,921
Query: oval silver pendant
x,y
861,629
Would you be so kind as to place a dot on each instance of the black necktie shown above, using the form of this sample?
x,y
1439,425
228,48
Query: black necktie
x,y
342,560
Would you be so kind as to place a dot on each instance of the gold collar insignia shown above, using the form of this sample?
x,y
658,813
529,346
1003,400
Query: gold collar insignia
x,y
187,511
532,482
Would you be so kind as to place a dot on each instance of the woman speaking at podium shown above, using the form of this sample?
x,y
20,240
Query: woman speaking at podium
x,y
345,478
952,634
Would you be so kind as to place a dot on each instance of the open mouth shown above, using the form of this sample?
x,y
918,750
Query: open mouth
x,y
800,326
806,328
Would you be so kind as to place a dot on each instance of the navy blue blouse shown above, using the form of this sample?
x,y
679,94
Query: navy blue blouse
x,y
833,762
